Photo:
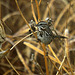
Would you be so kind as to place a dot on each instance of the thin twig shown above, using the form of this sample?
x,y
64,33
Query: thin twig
x,y
46,62
39,2
54,65
33,11
57,58
39,51
36,64
67,50
12,66
38,11
61,65
24,63
6,73
20,57
62,13
47,9
21,40
68,21
25,19
10,15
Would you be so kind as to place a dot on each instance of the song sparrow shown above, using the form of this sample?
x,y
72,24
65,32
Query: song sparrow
x,y
44,33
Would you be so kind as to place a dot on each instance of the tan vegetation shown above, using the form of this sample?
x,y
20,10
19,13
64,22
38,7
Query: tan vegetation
x,y
21,53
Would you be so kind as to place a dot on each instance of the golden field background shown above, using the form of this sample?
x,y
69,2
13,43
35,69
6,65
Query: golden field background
x,y
27,58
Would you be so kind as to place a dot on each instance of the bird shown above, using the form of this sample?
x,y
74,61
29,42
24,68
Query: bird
x,y
45,34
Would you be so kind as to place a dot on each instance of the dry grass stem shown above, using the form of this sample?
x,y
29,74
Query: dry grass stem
x,y
57,58
24,63
12,66
39,51
55,65
39,2
68,21
47,9
25,18
38,11
46,57
61,65
33,11
10,15
67,50
19,38
7,72
62,13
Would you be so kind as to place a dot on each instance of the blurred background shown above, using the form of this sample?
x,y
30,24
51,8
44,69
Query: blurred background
x,y
62,12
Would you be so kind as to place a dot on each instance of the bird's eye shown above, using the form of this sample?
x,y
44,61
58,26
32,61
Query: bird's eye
x,y
33,28
41,34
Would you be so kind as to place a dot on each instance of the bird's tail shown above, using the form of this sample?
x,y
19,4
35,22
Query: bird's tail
x,y
59,36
